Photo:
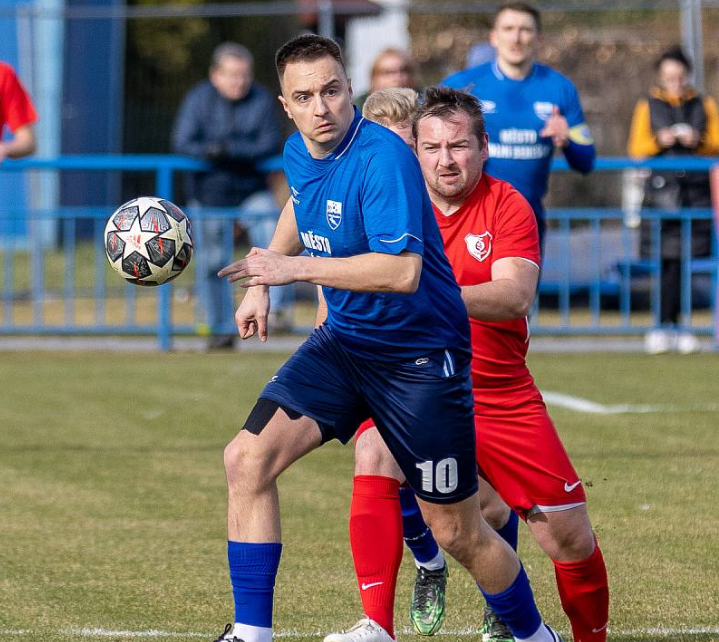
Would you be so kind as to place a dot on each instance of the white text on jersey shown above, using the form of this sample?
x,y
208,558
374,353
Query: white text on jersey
x,y
314,241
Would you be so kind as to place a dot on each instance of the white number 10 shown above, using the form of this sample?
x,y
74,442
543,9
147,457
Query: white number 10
x,y
442,478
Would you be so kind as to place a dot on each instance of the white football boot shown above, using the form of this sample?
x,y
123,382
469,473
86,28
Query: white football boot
x,y
366,630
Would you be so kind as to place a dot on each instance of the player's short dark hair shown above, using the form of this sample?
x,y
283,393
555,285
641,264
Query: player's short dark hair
x,y
520,7
307,48
445,102
675,54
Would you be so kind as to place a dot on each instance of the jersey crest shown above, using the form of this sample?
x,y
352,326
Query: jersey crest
x,y
479,245
543,109
334,214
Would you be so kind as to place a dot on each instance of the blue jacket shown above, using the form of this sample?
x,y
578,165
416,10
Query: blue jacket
x,y
232,135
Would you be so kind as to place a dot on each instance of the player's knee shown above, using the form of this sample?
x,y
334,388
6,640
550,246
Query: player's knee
x,y
567,536
496,513
459,537
244,466
372,457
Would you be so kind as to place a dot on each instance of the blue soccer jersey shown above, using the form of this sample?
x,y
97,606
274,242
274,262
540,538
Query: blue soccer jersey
x,y
369,196
515,112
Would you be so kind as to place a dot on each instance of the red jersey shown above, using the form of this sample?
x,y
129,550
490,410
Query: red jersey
x,y
16,108
495,222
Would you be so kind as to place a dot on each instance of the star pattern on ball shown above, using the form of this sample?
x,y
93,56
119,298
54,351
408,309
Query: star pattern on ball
x,y
177,232
135,239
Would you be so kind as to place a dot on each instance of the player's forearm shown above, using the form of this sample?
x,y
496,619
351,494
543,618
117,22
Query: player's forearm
x,y
22,144
580,157
374,272
499,300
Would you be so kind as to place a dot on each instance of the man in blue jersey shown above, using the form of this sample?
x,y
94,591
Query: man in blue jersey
x,y
529,109
395,346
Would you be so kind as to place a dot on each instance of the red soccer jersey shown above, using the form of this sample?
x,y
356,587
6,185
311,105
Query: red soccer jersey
x,y
16,108
495,222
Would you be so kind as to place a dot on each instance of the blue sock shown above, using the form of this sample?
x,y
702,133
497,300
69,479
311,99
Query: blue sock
x,y
253,568
515,606
417,535
510,531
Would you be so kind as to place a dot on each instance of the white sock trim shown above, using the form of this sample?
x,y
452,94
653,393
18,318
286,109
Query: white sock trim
x,y
435,564
250,633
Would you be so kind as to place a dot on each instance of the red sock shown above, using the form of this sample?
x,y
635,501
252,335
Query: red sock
x,y
376,540
584,592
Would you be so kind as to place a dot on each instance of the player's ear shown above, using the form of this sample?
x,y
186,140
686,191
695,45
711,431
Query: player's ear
x,y
485,146
285,106
349,86
493,38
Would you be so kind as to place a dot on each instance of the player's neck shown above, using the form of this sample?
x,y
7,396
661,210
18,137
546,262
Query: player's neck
x,y
321,150
447,208
516,72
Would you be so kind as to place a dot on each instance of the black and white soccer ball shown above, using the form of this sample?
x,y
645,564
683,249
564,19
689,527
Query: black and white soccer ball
x,y
148,241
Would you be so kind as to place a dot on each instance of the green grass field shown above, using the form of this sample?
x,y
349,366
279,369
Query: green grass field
x,y
112,499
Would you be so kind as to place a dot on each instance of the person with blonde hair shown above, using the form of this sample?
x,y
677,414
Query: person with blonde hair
x,y
393,108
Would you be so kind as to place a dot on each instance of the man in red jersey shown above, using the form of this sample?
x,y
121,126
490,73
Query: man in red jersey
x,y
490,237
18,113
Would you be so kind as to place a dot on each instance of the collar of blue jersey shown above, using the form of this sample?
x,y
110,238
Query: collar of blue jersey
x,y
500,75
338,151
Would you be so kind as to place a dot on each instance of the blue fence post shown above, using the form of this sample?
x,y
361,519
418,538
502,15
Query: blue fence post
x,y
714,186
163,187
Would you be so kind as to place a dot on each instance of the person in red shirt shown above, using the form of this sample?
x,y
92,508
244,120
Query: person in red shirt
x,y
18,114
490,237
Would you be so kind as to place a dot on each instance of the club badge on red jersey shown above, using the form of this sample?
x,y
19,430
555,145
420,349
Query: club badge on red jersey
x,y
479,245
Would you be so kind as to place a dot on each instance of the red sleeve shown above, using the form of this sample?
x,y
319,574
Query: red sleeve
x,y
16,108
516,233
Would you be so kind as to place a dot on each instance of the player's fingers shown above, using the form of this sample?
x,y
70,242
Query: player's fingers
x,y
262,327
247,329
230,269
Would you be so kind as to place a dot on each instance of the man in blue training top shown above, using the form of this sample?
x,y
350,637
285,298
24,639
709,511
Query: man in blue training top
x,y
529,109
395,346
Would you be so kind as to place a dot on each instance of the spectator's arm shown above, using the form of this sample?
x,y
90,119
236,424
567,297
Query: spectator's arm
x,y
642,140
23,143
187,133
709,145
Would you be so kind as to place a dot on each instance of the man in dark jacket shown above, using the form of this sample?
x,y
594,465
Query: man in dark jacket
x,y
231,121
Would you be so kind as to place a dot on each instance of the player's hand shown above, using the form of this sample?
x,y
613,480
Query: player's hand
x,y
260,267
252,313
666,137
3,152
556,128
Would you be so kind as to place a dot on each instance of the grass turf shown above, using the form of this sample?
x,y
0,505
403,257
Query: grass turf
x,y
112,506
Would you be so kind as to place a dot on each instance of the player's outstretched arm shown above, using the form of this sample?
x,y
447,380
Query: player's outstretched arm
x,y
372,272
509,295
22,144
252,313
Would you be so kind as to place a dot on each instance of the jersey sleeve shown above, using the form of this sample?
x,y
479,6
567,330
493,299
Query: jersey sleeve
x,y
516,233
393,200
16,108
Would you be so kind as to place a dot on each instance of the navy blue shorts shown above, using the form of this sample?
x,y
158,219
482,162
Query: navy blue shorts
x,y
423,408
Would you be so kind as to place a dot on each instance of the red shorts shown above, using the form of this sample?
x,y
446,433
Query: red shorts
x,y
520,453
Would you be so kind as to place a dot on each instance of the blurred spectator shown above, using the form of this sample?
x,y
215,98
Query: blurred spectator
x,y
18,114
230,121
674,120
530,109
391,68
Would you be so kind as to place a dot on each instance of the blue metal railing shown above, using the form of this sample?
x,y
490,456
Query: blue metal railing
x,y
568,273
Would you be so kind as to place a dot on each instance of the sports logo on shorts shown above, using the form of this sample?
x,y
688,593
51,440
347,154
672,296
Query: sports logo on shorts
x,y
334,214
479,245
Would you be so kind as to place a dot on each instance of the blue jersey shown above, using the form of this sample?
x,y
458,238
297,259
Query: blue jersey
x,y
369,196
515,112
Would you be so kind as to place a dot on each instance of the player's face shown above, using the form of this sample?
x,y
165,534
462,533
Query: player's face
x,y
404,131
232,77
317,96
674,77
451,157
515,37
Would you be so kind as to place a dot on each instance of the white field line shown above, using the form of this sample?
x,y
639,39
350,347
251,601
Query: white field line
x,y
98,632
578,404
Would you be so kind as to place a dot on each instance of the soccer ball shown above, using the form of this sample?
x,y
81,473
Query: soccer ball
x,y
148,241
